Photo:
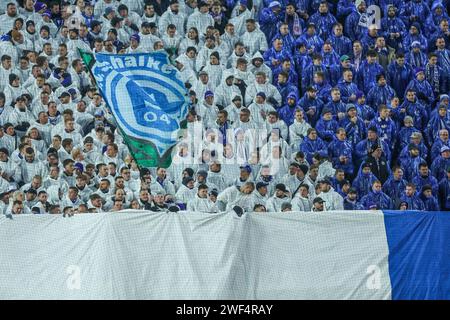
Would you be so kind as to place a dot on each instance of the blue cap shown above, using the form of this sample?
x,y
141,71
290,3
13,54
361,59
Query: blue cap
x,y
445,148
79,166
64,94
415,44
274,4
246,168
261,94
416,25
209,93
108,10
47,13
38,6
437,4
292,95
135,37
326,110
372,206
418,70
261,184
359,94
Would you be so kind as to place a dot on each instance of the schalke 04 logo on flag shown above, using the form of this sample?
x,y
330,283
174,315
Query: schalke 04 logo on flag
x,y
145,94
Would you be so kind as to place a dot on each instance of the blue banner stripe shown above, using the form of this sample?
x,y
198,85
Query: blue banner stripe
x,y
419,254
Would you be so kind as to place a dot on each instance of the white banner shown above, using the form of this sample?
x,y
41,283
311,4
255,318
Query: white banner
x,y
141,255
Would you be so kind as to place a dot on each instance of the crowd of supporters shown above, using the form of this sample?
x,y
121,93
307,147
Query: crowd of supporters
x,y
295,105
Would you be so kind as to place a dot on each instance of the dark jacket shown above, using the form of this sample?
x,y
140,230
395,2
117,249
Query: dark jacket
x,y
380,168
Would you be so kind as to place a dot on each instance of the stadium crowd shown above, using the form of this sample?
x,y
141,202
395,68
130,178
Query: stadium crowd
x,y
301,105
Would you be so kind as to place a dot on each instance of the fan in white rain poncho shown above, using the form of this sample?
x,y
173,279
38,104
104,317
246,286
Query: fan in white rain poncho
x,y
276,201
201,202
